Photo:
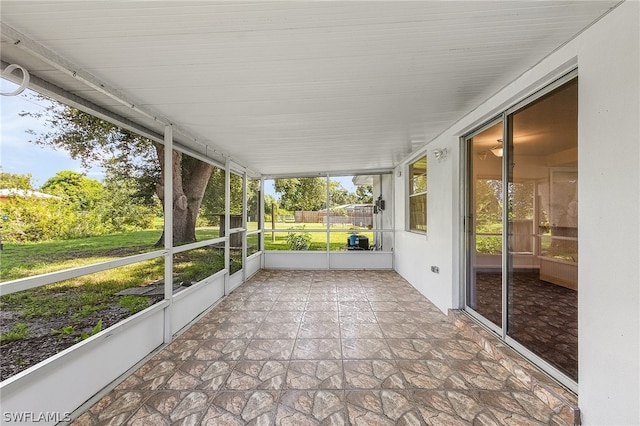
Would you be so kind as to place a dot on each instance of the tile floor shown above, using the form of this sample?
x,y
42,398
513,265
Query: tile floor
x,y
322,348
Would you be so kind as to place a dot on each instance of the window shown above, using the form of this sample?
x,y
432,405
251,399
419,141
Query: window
x,y
418,195
297,217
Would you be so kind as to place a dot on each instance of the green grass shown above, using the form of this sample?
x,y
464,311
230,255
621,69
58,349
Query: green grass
x,y
83,296
96,329
87,295
65,331
18,332
134,303
337,240
23,260
195,265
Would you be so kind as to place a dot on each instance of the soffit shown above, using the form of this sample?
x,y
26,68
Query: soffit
x,y
286,87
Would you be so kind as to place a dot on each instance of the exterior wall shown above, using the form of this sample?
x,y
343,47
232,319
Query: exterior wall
x,y
607,58
308,260
415,252
609,233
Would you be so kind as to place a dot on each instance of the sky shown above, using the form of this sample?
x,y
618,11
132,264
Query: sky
x,y
19,155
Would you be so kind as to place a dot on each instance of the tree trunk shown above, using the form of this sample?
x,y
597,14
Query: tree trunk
x,y
190,179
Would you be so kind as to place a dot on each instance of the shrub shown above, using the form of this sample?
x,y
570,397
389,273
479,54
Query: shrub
x,y
299,240
489,244
31,220
121,210
26,220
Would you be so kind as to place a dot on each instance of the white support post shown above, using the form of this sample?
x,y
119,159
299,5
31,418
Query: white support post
x,y
328,217
261,221
245,189
168,230
227,223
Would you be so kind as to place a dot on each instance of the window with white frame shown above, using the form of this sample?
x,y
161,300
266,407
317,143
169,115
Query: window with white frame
x,y
418,195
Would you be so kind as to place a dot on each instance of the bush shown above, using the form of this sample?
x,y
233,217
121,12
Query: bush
x,y
121,210
26,220
489,244
299,240
31,220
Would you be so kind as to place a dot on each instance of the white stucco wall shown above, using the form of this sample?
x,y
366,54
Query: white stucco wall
x,y
416,253
609,228
607,58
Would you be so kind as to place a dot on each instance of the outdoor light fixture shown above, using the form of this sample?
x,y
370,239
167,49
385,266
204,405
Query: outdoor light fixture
x,y
497,150
440,153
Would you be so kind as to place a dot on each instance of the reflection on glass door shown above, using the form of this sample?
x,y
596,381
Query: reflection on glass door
x,y
484,286
543,228
525,286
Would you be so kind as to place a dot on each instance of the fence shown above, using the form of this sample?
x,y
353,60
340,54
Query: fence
x,y
361,215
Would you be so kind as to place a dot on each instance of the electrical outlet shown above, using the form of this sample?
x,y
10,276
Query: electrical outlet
x,y
435,269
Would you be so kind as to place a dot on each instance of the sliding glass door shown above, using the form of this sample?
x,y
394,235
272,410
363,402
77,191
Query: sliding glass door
x,y
484,221
522,228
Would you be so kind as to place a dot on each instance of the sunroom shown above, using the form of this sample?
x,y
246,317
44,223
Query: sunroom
x,y
471,149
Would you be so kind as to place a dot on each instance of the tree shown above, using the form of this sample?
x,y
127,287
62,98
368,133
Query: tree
x,y
15,181
82,192
521,196
124,154
120,210
302,193
190,179
269,203
488,204
253,200
339,194
213,201
311,193
364,194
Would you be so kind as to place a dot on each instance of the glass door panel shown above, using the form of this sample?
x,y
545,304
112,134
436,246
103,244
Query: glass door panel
x,y
524,285
484,227
543,228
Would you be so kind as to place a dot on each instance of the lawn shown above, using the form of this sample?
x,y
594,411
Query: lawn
x,y
318,240
23,260
39,322
29,259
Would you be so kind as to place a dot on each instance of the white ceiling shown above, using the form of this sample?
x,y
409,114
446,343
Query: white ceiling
x,y
290,87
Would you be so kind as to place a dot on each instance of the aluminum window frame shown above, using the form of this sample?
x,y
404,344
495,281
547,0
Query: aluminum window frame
x,y
411,195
